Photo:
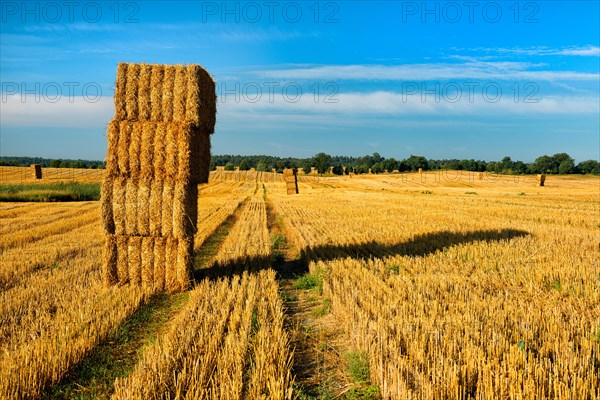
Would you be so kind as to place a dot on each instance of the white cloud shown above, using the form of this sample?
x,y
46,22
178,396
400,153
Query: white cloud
x,y
427,72
66,112
394,104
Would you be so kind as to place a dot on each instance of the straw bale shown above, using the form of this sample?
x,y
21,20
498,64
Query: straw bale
x,y
155,208
148,262
180,93
187,146
106,205
109,263
36,171
167,209
134,150
131,92
160,156
122,261
542,179
185,249
171,151
119,211
125,131
143,207
167,93
185,209
171,284
120,98
134,260
147,151
112,137
160,246
144,93
131,206
205,108
156,92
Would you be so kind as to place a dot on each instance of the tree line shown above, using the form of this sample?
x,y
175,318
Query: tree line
x,y
559,163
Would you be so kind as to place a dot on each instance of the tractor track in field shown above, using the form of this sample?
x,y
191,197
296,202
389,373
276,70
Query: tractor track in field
x,y
117,355
317,341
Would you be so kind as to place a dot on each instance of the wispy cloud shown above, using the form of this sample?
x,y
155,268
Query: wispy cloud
x,y
492,70
583,51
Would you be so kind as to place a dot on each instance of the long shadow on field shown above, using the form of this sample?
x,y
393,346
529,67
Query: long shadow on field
x,y
419,246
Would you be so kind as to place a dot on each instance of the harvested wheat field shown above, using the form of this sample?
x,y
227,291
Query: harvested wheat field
x,y
411,286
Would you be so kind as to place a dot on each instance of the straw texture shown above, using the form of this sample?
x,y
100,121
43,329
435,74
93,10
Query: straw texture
x,y
158,152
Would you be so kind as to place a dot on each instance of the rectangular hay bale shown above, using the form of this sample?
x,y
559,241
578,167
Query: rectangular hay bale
x,y
134,260
110,260
160,253
148,263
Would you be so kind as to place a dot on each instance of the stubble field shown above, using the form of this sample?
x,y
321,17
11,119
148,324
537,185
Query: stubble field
x,y
433,286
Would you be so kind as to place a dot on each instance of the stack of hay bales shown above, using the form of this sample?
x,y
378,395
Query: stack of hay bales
x,y
542,179
290,177
36,171
158,153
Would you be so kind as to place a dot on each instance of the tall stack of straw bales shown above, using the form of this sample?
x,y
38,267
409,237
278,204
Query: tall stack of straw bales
x,y
290,177
158,153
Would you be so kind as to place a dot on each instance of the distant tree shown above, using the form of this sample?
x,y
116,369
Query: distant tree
x,y
362,169
338,170
306,165
213,167
55,164
322,162
349,169
566,167
390,164
377,168
376,158
261,165
416,162
545,165
229,166
589,167
244,165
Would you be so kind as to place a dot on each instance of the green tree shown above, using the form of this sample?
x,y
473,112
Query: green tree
x,y
261,165
229,167
338,170
306,165
244,166
416,162
545,165
322,162
589,167
55,164
377,168
361,169
566,167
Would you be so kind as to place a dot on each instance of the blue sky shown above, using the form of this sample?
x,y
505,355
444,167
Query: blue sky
x,y
480,79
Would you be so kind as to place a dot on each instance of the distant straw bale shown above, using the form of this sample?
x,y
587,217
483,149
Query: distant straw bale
x,y
36,171
542,179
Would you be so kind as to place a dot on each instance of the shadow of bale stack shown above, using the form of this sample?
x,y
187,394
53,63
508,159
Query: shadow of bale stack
x,y
158,153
